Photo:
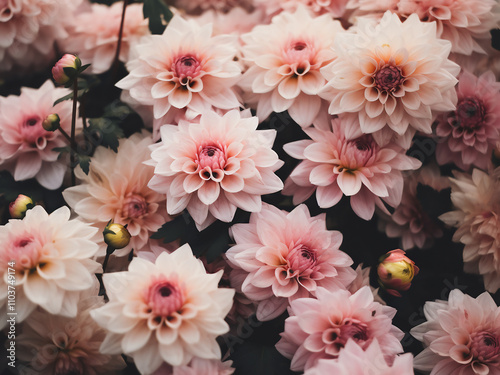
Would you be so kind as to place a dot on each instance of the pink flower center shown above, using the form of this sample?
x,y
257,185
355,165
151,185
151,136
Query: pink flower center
x,y
134,206
301,260
485,346
469,115
164,298
25,251
299,55
186,68
388,78
336,337
357,153
33,132
211,160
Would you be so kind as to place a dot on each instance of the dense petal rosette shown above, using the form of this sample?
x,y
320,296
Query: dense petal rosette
x,y
214,166
185,68
477,219
116,188
284,60
461,336
168,311
50,255
469,134
26,148
393,74
320,328
29,30
97,44
344,161
286,256
51,344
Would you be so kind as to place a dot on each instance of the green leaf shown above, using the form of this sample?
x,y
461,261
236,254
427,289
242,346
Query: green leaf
x,y
158,14
84,162
172,230
104,132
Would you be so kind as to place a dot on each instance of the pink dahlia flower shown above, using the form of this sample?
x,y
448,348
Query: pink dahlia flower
x,y
97,44
168,311
198,366
395,75
214,166
471,131
334,8
409,221
477,219
116,188
461,336
26,148
353,360
284,61
287,256
320,328
29,30
344,161
184,68
51,344
51,258
465,23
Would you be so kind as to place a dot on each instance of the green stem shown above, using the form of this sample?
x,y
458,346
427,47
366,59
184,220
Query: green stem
x,y
120,37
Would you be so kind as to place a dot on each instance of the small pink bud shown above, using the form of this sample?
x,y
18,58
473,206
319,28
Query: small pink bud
x,y
51,122
66,68
18,208
396,271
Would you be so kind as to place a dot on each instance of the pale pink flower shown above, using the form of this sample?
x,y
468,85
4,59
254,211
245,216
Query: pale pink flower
x,y
477,219
353,360
96,44
320,328
284,61
471,131
214,166
409,221
465,23
198,366
334,8
185,68
168,311
52,344
395,75
26,148
461,336
51,258
116,188
287,256
29,30
344,161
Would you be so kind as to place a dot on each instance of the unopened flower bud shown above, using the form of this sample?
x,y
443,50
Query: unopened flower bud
x,y
51,122
396,272
19,207
116,236
66,68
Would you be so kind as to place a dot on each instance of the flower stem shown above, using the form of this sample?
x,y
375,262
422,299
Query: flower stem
x,y
65,135
73,131
120,37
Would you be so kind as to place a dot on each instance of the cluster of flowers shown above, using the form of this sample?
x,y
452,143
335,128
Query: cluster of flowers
x,y
368,82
